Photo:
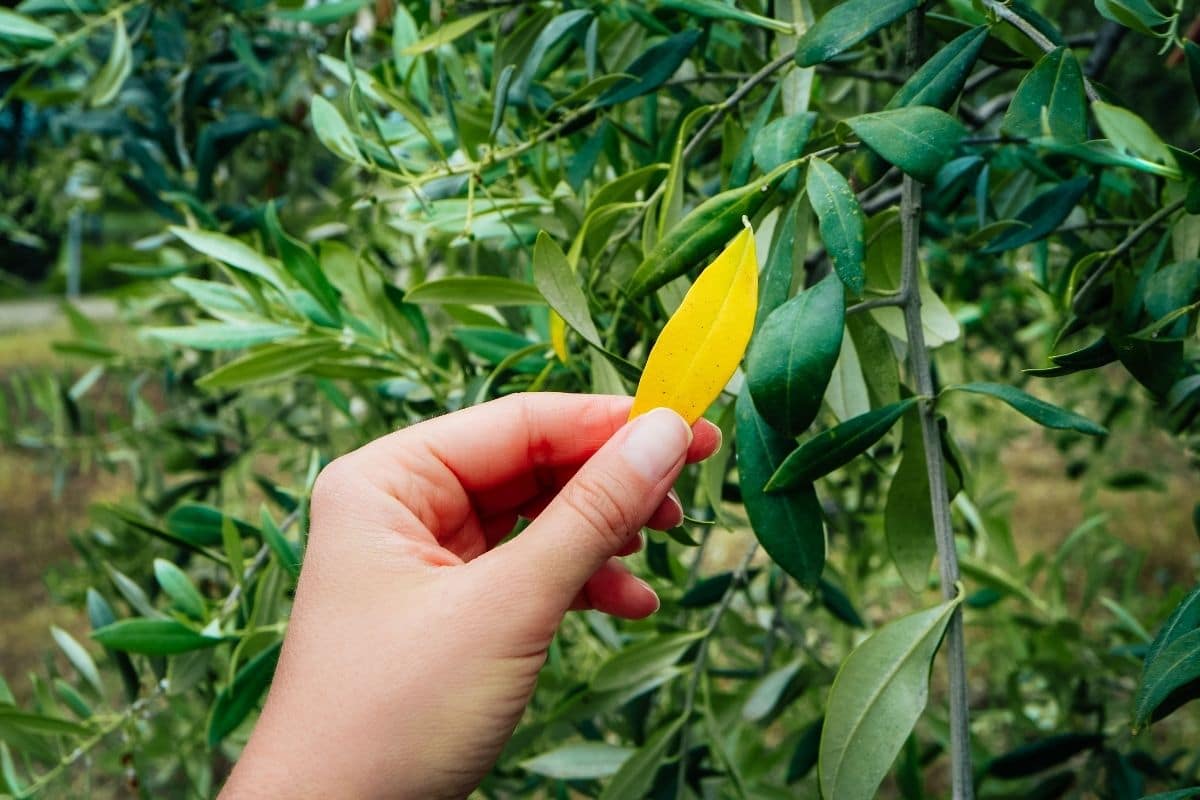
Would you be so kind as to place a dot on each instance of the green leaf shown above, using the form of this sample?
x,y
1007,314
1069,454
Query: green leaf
x,y
707,592
554,31
841,222
642,660
448,32
231,540
941,78
1175,665
267,363
917,139
1042,216
651,69
500,99
230,336
1193,58
108,82
22,31
876,699
179,587
323,13
285,552
412,70
792,356
782,140
236,254
713,9
739,170
1037,410
765,698
908,514
582,761
80,659
1184,619
703,232
1138,15
775,281
201,523
13,720
1129,133
155,637
1172,288
1032,758
845,25
1181,794
486,291
332,130
1050,101
299,261
836,447
560,286
636,775
235,701
789,527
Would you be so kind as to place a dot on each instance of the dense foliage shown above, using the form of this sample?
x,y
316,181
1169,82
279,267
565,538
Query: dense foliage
x,y
341,218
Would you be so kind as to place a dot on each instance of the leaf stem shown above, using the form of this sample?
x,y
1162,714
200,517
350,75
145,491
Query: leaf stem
x,y
939,496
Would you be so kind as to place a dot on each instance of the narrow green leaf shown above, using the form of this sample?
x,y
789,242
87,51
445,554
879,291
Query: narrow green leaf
x,y
285,552
1131,134
154,637
500,99
551,34
836,447
792,356
940,79
1175,665
917,139
1138,15
636,775
560,286
1032,758
80,658
775,281
269,362
1184,619
1049,101
225,336
332,130
651,69
789,527
845,25
323,13
908,514
713,9
235,701
236,254
201,523
876,699
1042,216
840,220
1039,411
22,31
299,261
231,540
448,32
782,140
116,69
179,587
13,719
582,761
642,660
765,698
486,291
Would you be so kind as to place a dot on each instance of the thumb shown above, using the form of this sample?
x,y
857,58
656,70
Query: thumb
x,y
606,502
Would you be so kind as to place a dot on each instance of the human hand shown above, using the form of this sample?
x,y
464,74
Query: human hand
x,y
416,635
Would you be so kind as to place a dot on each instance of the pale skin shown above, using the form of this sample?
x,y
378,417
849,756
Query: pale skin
x,y
417,635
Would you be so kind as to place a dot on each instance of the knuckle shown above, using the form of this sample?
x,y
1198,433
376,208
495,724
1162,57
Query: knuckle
x,y
332,483
604,506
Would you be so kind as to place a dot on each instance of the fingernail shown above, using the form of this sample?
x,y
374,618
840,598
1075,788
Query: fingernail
x,y
651,592
674,498
655,443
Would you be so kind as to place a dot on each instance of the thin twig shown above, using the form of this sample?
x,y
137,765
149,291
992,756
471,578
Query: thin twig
x,y
1121,249
728,103
898,299
939,495
689,703
1034,35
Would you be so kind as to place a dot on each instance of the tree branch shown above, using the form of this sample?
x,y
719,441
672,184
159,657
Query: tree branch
x,y
939,496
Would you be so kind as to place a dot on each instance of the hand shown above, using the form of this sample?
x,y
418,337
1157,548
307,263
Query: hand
x,y
416,635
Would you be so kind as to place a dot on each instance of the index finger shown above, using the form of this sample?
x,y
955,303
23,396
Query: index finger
x,y
494,443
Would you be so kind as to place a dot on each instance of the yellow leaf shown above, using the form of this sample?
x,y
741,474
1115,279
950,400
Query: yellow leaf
x,y
558,336
703,341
